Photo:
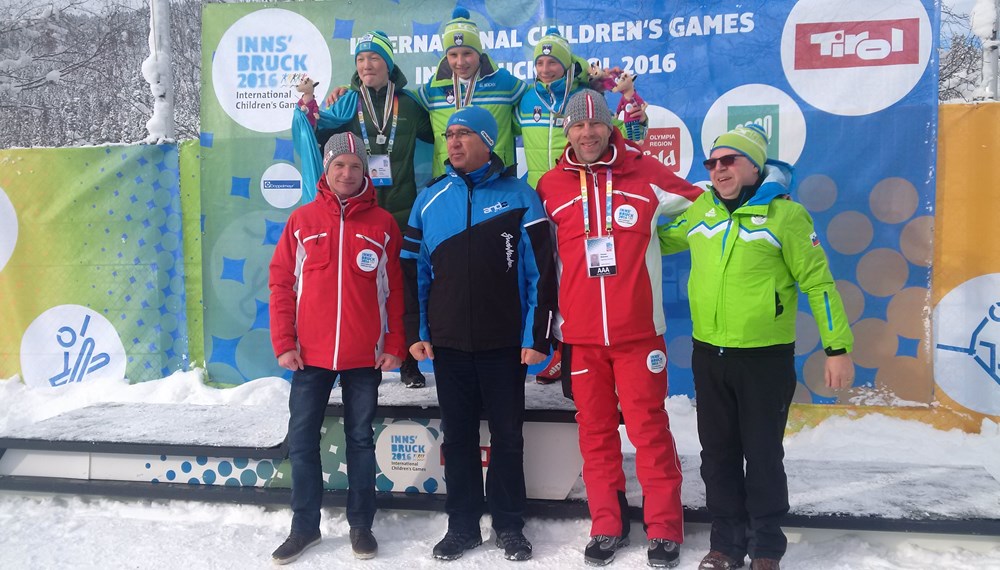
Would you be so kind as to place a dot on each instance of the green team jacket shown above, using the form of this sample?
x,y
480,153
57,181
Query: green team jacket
x,y
412,124
497,91
744,269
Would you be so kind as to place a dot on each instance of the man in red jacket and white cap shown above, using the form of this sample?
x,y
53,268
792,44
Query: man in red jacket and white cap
x,y
605,198
336,310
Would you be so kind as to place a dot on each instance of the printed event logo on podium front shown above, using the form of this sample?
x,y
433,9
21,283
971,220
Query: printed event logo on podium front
x,y
855,57
69,344
8,229
410,457
260,60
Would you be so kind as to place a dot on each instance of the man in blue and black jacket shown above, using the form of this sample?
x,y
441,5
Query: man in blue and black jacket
x,y
481,295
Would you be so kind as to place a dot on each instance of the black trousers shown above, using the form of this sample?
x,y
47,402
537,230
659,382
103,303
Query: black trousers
x,y
742,409
467,384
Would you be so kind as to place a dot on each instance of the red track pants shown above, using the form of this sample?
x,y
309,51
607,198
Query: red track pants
x,y
634,375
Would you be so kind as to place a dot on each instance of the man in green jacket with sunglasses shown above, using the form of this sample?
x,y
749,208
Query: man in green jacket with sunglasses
x,y
750,246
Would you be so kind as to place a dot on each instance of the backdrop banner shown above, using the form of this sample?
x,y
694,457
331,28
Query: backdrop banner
x,y
847,92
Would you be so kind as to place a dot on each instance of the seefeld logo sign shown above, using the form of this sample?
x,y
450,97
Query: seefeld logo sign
x,y
857,44
855,57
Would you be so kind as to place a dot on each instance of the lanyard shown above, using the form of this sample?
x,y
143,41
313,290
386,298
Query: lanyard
x,y
457,85
390,99
565,99
607,208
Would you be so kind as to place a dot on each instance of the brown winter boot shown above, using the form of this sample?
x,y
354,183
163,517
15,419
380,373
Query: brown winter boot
x,y
716,560
764,564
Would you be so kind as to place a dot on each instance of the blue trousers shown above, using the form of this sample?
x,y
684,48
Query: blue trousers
x,y
467,384
307,409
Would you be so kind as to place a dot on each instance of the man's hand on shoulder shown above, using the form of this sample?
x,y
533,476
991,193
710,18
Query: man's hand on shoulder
x,y
337,93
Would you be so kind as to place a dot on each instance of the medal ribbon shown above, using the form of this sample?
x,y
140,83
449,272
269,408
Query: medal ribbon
x,y
457,85
391,101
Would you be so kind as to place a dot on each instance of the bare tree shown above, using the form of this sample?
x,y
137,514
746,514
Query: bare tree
x,y
70,71
961,57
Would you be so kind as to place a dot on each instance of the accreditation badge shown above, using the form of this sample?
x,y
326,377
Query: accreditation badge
x,y
601,257
380,170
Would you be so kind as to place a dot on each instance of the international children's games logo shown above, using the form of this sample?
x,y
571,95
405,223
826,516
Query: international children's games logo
x,y
656,361
409,455
259,61
8,229
966,343
69,344
855,57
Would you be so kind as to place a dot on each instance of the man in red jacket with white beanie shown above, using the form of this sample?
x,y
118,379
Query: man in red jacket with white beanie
x,y
604,198
336,310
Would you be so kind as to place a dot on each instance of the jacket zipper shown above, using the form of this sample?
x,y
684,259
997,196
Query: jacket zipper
x,y
371,241
468,261
340,290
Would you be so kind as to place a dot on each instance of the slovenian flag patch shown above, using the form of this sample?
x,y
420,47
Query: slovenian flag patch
x,y
814,238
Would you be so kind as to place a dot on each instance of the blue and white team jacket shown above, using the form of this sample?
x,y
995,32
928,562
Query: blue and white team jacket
x,y
479,266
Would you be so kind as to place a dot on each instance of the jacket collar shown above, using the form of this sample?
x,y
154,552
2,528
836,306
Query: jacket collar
x,y
497,170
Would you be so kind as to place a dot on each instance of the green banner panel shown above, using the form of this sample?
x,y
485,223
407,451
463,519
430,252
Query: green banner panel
x,y
91,264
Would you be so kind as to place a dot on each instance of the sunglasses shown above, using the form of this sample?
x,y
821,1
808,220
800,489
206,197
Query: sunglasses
x,y
726,161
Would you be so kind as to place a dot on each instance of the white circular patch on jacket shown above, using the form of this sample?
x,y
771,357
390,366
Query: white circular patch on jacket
x,y
656,362
367,260
626,216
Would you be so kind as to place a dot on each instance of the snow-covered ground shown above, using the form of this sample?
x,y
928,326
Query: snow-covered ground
x,y
45,532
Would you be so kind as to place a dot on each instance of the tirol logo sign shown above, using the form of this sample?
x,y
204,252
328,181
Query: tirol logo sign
x,y
857,44
69,344
764,116
855,57
8,229
966,336
259,61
